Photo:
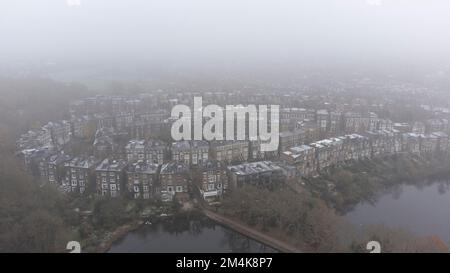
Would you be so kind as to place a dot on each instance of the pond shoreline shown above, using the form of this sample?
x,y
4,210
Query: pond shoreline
x,y
117,234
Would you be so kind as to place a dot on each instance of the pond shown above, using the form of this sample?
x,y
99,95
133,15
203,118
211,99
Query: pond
x,y
187,234
423,210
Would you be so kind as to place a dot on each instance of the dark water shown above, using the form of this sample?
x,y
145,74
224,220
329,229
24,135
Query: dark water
x,y
187,235
422,210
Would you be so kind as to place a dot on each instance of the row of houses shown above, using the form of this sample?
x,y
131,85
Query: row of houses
x,y
333,122
142,180
140,170
317,156
56,134
424,127
302,126
106,104
194,152
51,135
139,124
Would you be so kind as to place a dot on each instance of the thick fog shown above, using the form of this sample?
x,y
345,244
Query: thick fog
x,y
177,31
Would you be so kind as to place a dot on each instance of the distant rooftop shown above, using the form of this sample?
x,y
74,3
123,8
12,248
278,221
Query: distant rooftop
x,y
254,168
299,149
82,162
174,167
143,167
111,165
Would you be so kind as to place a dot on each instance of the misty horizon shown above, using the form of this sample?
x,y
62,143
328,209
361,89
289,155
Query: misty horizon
x,y
359,33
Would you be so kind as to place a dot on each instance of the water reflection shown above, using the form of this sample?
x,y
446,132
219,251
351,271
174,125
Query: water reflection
x,y
443,187
396,192
187,233
422,209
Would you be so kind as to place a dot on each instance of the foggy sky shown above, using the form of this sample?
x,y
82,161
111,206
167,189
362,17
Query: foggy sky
x,y
228,30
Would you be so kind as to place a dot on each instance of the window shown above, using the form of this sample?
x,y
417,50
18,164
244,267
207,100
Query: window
x,y
145,188
74,183
210,187
112,187
104,186
136,189
113,194
170,189
179,189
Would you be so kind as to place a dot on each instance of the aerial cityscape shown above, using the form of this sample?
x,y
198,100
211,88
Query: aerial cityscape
x,y
293,128
127,151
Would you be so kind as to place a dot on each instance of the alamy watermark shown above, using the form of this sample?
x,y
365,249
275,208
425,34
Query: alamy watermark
x,y
261,127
